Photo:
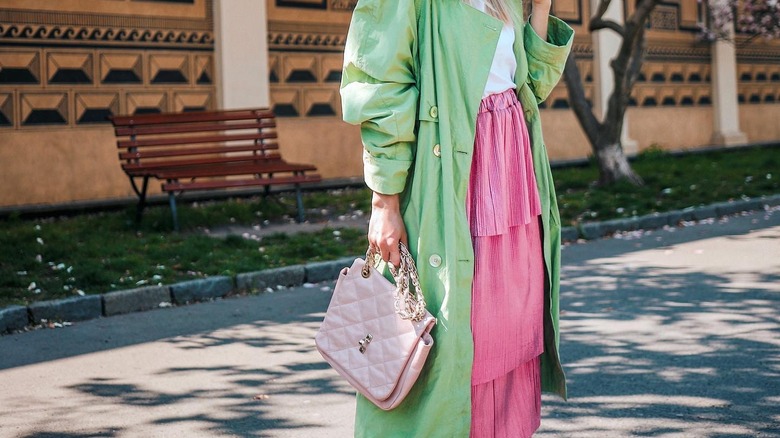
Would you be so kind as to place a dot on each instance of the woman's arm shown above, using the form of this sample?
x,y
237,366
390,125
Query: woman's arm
x,y
540,15
547,42
379,93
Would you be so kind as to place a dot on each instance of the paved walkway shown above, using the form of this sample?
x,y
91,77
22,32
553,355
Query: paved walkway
x,y
674,333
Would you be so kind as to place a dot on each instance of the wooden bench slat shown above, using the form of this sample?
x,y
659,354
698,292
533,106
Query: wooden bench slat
x,y
180,152
140,130
147,166
204,116
204,185
167,141
279,166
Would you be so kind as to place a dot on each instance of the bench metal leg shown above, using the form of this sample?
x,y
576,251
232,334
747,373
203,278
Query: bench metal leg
x,y
299,201
172,201
139,209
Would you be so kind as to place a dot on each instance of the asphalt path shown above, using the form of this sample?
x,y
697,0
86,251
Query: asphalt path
x,y
669,333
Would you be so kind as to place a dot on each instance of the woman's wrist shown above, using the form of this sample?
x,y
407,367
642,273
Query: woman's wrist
x,y
380,200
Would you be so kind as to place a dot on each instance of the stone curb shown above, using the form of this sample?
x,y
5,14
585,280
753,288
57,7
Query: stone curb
x,y
596,230
67,309
323,271
270,278
13,318
133,300
201,290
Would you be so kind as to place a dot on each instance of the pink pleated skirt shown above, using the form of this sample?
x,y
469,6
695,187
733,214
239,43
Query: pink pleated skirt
x,y
503,210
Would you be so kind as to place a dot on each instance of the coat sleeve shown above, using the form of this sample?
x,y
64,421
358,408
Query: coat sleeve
x,y
379,91
546,59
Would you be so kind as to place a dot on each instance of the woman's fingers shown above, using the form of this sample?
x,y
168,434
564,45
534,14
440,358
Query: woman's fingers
x,y
393,252
386,227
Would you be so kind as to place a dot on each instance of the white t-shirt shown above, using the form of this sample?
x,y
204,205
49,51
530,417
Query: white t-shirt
x,y
502,71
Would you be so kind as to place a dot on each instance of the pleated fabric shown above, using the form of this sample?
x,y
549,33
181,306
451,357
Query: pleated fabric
x,y
503,209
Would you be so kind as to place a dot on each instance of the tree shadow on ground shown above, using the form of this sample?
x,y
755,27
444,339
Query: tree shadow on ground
x,y
256,399
664,351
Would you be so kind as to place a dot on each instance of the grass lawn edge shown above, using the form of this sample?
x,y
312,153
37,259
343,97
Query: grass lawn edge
x,y
59,311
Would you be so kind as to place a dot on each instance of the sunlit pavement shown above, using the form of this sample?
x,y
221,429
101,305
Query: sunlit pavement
x,y
669,333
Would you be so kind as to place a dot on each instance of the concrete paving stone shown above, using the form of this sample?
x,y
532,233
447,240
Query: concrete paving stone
x,y
569,234
67,309
324,271
200,290
135,300
260,280
13,318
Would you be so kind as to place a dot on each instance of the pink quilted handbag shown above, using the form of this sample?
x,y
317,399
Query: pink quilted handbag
x,y
376,334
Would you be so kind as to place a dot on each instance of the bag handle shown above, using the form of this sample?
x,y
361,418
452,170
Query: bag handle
x,y
407,305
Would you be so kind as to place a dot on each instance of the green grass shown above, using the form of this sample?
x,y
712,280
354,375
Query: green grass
x,y
671,183
96,253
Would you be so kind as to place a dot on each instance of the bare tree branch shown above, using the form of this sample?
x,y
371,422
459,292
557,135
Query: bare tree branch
x,y
606,24
635,65
618,100
578,101
597,22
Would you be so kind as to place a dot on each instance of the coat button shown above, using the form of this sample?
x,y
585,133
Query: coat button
x,y
437,150
434,111
435,260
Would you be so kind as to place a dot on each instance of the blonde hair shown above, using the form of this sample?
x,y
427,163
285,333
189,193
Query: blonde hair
x,y
505,10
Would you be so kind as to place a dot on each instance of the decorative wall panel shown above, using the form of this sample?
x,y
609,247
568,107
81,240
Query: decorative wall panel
x,y
20,67
95,83
70,68
121,68
44,108
94,107
568,10
6,110
165,24
186,101
74,63
169,68
305,84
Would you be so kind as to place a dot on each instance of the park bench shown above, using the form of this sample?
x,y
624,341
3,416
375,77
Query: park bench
x,y
195,151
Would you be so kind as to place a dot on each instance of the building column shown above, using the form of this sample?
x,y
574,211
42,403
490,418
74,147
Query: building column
x,y
241,53
725,120
606,44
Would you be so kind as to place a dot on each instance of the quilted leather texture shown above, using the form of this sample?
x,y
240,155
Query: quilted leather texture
x,y
363,307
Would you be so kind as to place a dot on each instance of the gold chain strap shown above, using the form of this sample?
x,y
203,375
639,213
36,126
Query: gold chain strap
x,y
407,305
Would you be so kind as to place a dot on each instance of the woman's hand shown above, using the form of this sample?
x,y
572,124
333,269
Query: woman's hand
x,y
386,227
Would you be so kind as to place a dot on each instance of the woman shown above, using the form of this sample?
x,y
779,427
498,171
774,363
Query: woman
x,y
446,93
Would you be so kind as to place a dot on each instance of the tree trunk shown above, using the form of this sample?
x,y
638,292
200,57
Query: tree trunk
x,y
613,164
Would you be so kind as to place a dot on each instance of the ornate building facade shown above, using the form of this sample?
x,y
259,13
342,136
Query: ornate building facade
x,y
66,65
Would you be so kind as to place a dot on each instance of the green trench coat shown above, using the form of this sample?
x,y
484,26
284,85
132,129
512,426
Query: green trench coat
x,y
414,73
